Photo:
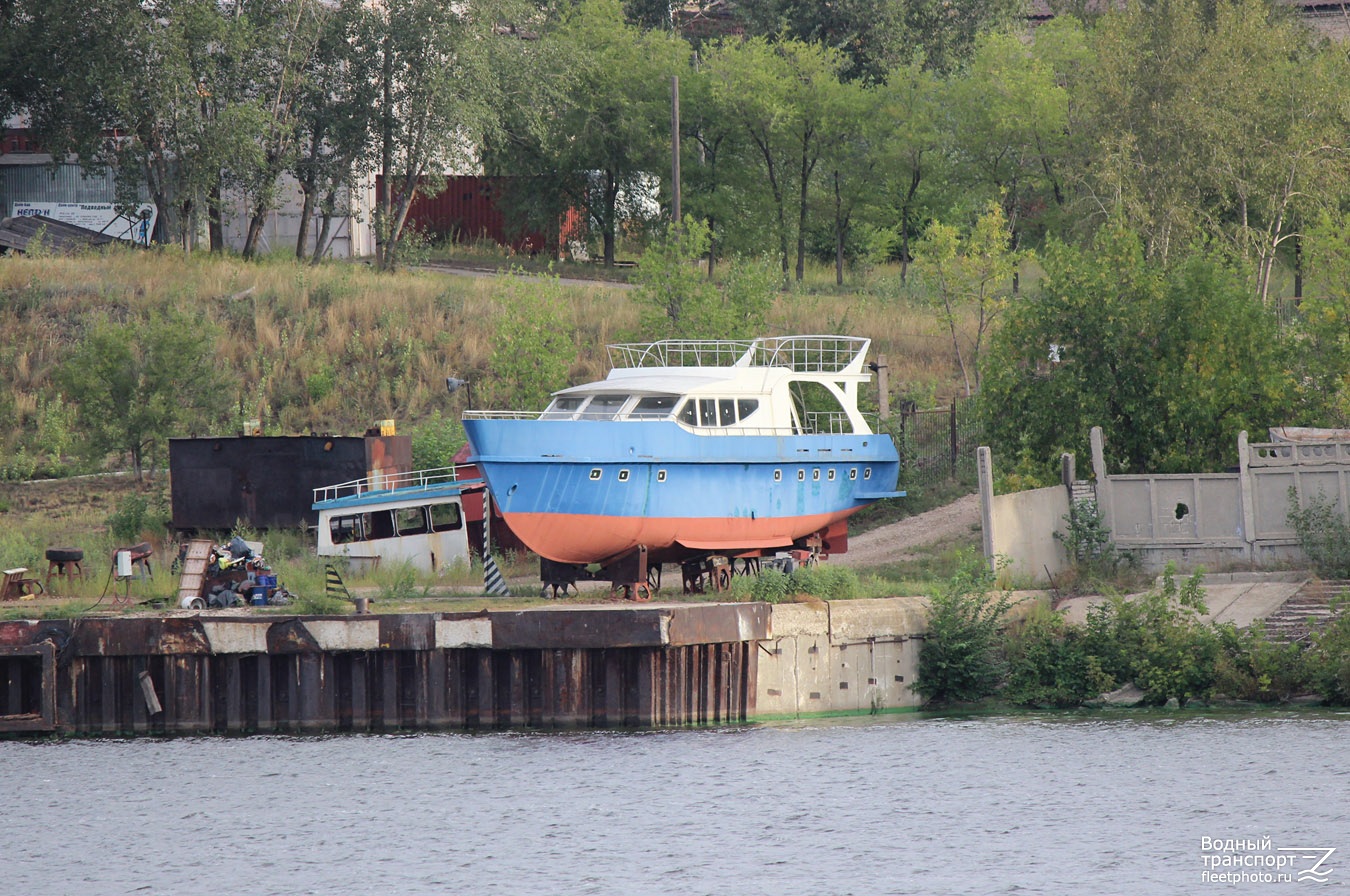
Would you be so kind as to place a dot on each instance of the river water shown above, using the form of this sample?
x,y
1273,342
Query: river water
x,y
1027,804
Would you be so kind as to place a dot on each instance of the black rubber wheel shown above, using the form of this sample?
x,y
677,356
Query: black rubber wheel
x,y
65,555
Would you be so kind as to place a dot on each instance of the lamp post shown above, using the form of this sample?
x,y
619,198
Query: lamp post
x,y
454,384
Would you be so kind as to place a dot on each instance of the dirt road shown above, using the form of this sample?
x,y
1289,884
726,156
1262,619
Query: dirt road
x,y
959,520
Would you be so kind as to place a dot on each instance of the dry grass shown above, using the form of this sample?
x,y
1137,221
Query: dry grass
x,y
335,347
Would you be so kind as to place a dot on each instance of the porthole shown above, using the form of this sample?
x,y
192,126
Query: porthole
x,y
595,474
815,475
830,474
867,472
801,475
660,475
852,472
777,475
623,475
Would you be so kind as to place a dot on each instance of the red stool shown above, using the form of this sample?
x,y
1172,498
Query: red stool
x,y
64,563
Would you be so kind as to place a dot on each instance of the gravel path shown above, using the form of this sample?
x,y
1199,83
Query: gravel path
x,y
899,540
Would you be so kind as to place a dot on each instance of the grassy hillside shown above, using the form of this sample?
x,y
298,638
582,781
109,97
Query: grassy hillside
x,y
337,347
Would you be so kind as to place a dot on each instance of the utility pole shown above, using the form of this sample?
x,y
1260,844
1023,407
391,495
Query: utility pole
x,y
675,149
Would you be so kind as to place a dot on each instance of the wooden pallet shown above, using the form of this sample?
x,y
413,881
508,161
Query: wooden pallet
x,y
193,576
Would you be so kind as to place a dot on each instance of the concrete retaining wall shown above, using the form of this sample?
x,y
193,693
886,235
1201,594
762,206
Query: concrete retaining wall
x,y
840,657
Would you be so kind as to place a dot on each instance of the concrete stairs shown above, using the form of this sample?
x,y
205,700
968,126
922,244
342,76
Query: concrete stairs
x,y
1309,609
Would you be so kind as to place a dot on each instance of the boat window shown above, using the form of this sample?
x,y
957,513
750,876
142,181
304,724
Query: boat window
x,y
603,407
707,411
746,406
852,472
652,406
446,517
815,475
830,474
689,413
801,475
777,475
562,408
595,474
726,412
623,475
660,475
343,529
867,472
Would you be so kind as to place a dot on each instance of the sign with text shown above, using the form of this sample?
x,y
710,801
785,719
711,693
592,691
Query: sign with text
x,y
135,225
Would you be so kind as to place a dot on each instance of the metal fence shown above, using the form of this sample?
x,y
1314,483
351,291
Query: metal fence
x,y
936,445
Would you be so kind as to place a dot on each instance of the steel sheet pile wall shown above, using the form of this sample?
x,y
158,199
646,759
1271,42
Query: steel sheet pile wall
x,y
546,668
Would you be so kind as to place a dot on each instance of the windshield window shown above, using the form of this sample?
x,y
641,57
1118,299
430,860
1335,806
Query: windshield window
x,y
654,406
603,407
562,408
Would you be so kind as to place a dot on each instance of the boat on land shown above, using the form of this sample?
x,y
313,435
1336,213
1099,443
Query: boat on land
x,y
690,449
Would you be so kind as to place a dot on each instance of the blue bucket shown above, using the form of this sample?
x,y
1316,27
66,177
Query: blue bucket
x,y
259,595
267,581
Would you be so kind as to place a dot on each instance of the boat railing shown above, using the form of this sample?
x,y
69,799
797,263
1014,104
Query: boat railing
x,y
424,479
801,354
812,354
832,423
501,415
679,353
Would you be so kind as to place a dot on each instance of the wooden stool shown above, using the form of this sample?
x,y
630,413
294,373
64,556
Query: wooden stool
x,y
64,563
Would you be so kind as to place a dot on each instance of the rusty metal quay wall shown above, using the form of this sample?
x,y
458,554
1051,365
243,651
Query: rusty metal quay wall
x,y
544,668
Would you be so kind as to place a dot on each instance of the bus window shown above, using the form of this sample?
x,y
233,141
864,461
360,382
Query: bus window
x,y
445,517
342,529
379,524
410,520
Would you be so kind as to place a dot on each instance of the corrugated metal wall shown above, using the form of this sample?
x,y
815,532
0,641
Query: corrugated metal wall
x,y
466,212
38,183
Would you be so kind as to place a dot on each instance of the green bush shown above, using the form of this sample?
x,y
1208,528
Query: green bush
x,y
775,586
826,582
1328,658
131,517
1049,663
1250,666
1088,542
1323,534
435,441
1157,641
962,658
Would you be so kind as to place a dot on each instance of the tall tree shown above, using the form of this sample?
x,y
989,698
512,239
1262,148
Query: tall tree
x,y
783,95
285,38
969,278
1169,361
438,80
138,382
610,133
1276,120
335,117
1006,117
908,152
